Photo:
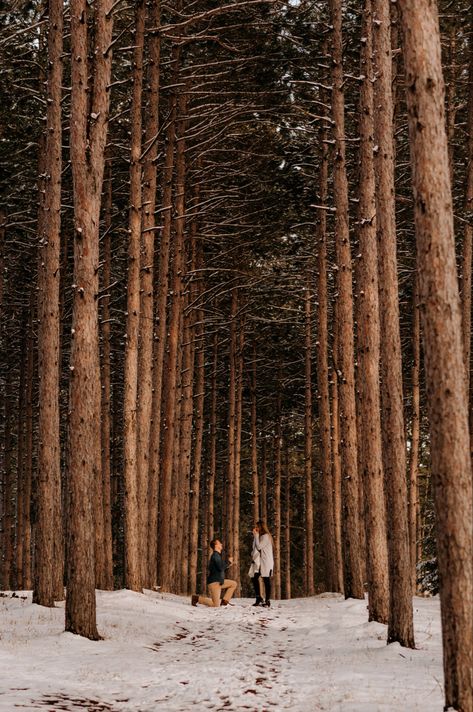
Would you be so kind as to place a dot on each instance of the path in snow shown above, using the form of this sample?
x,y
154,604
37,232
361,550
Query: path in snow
x,y
161,655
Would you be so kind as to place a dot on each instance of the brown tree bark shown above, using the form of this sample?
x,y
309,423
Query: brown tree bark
x,y
400,625
323,373
232,397
135,492
351,521
197,458
105,576
89,111
443,347
264,474
287,524
415,437
467,251
370,456
170,394
147,484
48,529
161,336
254,440
25,541
309,503
278,443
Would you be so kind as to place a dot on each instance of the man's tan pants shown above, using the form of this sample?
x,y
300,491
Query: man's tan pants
x,y
215,590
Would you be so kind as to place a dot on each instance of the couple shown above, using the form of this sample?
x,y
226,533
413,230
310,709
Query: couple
x,y
262,564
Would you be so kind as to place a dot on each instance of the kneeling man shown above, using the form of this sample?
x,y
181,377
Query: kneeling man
x,y
216,580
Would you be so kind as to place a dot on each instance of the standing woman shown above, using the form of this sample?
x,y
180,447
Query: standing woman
x,y
262,562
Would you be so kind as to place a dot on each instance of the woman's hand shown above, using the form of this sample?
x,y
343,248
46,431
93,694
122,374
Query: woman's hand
x,y
255,531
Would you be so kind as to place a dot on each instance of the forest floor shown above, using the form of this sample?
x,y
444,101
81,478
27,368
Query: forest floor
x,y
160,654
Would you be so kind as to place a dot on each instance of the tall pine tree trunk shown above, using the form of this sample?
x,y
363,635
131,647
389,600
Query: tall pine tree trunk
x,y
368,343
415,437
400,625
351,521
135,494
147,483
106,580
443,346
309,504
89,112
48,528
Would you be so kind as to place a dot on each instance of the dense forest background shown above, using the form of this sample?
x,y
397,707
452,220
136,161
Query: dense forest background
x,y
252,88
212,163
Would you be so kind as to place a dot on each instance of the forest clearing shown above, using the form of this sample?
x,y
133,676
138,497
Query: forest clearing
x,y
160,654
236,245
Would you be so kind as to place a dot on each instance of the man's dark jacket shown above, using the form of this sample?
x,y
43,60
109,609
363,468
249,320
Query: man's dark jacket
x,y
217,566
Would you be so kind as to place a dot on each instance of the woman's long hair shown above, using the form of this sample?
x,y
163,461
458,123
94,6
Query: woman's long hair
x,y
263,528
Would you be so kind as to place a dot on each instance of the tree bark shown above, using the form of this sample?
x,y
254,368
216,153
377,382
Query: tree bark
x,y
254,440
415,437
467,251
155,461
169,421
89,112
49,520
370,456
309,504
345,358
147,485
105,580
400,625
443,347
323,373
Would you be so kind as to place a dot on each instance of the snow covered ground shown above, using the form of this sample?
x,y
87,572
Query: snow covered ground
x,y
160,654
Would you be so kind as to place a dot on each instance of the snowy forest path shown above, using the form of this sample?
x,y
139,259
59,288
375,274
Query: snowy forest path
x,y
160,654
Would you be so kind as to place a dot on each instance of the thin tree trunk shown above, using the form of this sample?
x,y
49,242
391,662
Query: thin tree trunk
x,y
147,483
277,493
106,575
135,492
336,484
370,455
155,461
415,437
213,442
25,542
400,625
264,476
287,524
48,529
443,347
345,358
199,434
88,139
228,524
169,421
309,504
328,536
254,441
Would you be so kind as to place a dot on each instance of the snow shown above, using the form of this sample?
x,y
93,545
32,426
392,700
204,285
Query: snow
x,y
158,653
